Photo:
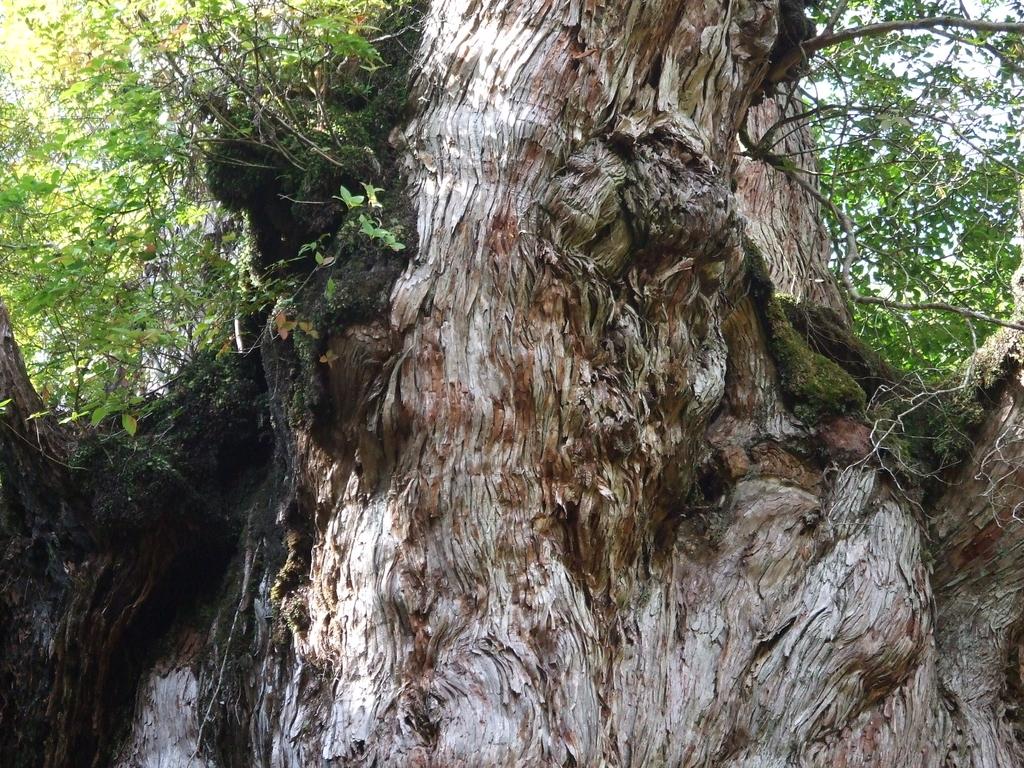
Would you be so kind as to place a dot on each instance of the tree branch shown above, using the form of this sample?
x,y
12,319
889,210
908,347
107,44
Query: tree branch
x,y
827,39
33,447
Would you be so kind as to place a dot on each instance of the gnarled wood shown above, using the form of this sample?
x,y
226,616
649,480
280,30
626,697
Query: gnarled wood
x,y
562,510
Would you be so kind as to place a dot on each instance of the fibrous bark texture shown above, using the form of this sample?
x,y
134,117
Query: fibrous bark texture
x,y
570,503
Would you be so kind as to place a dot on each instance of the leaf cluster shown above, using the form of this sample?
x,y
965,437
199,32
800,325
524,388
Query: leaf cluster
x,y
132,131
920,143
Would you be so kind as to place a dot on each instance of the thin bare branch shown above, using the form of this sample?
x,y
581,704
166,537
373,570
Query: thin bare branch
x,y
827,39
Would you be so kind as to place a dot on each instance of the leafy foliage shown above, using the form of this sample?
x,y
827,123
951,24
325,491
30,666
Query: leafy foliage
x,y
199,439
921,146
132,132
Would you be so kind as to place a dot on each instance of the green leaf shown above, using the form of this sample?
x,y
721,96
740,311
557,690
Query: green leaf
x,y
99,414
371,194
130,423
350,200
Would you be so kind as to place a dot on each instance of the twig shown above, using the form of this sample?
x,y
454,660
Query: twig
x,y
246,575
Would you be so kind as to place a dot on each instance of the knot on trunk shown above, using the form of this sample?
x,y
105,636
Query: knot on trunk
x,y
586,209
649,197
677,200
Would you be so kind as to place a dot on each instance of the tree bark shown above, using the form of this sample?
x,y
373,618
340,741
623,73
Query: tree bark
x,y
569,504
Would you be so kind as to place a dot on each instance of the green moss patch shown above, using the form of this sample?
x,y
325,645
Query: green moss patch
x,y
818,387
195,446
828,334
289,606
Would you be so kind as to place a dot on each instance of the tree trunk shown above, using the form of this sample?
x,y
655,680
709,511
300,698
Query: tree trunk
x,y
585,496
